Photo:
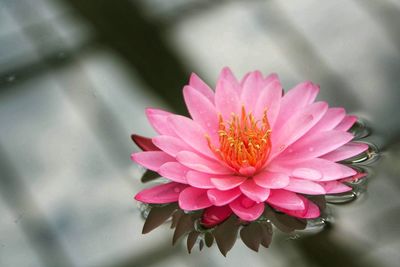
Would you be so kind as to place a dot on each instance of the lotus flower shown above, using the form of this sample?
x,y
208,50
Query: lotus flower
x,y
248,145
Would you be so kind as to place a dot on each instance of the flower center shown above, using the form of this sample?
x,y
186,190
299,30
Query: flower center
x,y
244,142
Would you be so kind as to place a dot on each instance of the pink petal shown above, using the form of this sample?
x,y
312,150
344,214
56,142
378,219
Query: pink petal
x,y
270,101
247,171
199,180
329,121
170,144
198,163
310,211
346,123
227,94
347,151
152,160
296,126
305,187
202,111
285,199
215,215
298,97
221,198
335,187
227,75
174,171
192,198
158,119
314,169
272,180
191,133
253,191
251,90
271,78
144,143
243,80
201,86
313,146
227,182
227,99
160,194
247,209
330,170
307,173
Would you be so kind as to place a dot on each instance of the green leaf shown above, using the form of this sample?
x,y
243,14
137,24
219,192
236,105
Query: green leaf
x,y
209,239
149,176
175,218
266,233
226,234
284,222
191,240
251,235
201,245
184,225
157,216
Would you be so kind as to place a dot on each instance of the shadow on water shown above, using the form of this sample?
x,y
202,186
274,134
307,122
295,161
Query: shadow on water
x,y
324,250
123,27
43,239
302,54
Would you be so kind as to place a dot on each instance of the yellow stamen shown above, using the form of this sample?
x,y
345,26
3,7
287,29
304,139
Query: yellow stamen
x,y
242,142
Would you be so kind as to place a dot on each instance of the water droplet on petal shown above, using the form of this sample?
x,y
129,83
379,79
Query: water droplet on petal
x,y
212,198
177,190
311,149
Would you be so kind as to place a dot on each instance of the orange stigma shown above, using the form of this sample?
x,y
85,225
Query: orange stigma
x,y
243,142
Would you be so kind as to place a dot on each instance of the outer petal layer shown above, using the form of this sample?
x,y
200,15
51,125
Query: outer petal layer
x,y
174,171
247,209
313,146
160,194
305,187
273,180
347,151
296,126
253,191
285,200
152,159
221,198
192,198
199,180
158,119
170,144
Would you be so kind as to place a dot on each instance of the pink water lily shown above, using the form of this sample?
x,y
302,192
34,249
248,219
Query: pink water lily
x,y
247,145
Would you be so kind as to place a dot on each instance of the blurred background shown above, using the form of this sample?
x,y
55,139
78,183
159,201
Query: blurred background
x,y
76,76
